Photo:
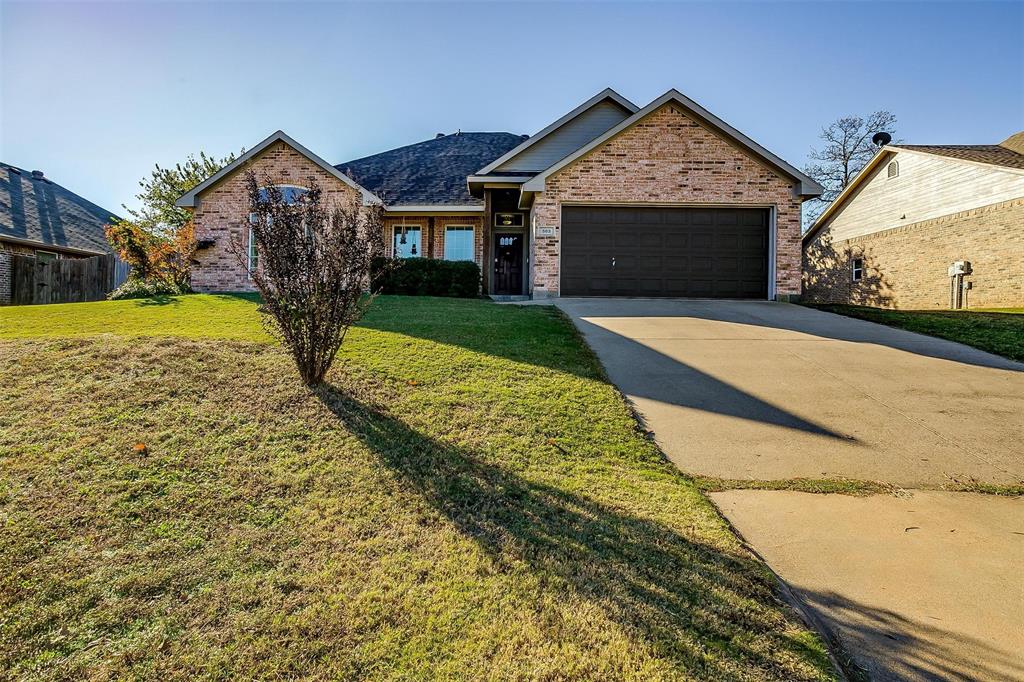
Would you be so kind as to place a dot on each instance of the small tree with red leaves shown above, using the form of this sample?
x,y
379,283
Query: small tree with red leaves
x,y
311,265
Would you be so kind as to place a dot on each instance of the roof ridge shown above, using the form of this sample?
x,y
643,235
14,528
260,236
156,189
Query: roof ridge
x,y
445,136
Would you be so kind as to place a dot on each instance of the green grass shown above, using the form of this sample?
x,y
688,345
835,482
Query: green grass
x,y
823,486
227,317
995,331
468,499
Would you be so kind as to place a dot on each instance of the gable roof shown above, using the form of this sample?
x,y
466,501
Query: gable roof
x,y
1001,155
992,154
432,172
188,199
805,186
606,94
37,211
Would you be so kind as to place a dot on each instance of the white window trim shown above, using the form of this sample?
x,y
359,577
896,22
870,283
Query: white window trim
x,y
252,256
55,255
398,230
472,231
856,273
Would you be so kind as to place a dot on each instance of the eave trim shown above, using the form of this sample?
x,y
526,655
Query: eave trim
x,y
188,199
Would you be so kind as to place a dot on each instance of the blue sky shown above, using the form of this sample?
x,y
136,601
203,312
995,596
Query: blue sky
x,y
95,94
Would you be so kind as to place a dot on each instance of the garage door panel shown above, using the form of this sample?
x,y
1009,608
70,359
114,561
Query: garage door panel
x,y
662,251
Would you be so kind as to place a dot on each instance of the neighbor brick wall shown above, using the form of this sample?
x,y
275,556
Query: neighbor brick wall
x,y
223,209
5,276
667,157
905,267
440,222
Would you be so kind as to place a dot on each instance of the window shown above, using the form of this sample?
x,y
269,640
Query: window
x,y
458,243
893,170
290,193
407,241
857,269
253,254
45,257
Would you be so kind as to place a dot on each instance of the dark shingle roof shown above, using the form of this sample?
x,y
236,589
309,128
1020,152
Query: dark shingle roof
x,y
981,153
40,210
430,172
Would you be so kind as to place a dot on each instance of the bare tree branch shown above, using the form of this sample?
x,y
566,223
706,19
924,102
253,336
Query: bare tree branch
x,y
846,151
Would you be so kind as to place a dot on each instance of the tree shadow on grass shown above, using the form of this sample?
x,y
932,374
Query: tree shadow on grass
x,y
162,299
704,613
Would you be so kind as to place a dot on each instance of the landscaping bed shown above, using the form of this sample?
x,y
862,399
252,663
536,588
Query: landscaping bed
x,y
468,499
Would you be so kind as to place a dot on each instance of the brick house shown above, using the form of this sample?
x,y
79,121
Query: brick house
x,y
609,200
40,218
924,227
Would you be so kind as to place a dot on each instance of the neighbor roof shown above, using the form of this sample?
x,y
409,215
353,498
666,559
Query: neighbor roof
x,y
992,154
36,210
432,172
188,199
805,186
1001,155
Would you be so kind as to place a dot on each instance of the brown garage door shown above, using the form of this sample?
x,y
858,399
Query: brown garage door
x,y
634,251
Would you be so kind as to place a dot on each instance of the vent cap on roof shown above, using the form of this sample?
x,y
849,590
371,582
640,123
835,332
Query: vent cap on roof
x,y
881,138
438,136
37,175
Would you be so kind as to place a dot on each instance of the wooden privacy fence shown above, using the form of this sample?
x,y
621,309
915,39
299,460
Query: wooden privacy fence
x,y
64,280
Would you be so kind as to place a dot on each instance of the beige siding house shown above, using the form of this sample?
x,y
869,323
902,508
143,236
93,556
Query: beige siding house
x,y
924,227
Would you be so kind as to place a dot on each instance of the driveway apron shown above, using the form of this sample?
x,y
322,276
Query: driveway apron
x,y
920,584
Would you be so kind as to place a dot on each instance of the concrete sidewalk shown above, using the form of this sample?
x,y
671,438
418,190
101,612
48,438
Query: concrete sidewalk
x,y
759,390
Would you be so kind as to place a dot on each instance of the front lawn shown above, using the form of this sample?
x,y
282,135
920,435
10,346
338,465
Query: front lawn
x,y
468,500
996,331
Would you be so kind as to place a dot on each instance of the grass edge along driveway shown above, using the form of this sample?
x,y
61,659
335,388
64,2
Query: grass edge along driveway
x,y
998,331
468,499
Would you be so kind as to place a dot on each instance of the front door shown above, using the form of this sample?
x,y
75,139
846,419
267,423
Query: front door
x,y
508,264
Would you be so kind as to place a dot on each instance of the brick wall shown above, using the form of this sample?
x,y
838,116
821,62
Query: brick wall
x,y
905,267
435,250
5,276
668,158
223,210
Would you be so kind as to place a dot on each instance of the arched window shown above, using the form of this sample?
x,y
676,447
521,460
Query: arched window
x,y
894,169
290,193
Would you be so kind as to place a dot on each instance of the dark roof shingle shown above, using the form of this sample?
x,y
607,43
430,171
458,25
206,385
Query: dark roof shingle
x,y
39,210
993,154
430,172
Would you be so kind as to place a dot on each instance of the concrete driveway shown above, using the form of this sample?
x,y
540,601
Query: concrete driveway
x,y
918,585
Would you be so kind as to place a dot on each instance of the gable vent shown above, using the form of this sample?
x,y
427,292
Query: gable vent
x,y
894,169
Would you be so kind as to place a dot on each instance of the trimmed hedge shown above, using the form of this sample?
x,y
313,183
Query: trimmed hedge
x,y
426,277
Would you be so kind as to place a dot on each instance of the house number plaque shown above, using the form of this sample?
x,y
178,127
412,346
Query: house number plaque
x,y
545,231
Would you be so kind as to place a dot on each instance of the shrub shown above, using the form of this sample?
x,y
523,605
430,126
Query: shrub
x,y
134,287
427,277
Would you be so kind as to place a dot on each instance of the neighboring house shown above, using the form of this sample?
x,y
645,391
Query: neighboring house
x,y
40,218
609,200
893,235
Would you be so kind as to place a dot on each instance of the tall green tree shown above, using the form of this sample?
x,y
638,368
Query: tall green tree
x,y
158,215
157,239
